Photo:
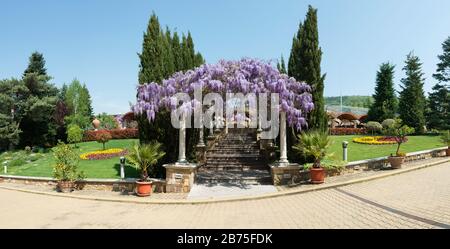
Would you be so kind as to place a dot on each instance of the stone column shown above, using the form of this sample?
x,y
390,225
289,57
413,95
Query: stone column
x,y
182,141
283,144
211,128
201,143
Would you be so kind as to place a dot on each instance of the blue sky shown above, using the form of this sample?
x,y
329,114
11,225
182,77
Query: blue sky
x,y
97,41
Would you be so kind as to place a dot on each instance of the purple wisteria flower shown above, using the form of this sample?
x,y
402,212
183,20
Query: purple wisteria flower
x,y
243,76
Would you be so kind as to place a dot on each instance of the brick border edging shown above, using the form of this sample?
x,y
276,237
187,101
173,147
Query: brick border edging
x,y
234,199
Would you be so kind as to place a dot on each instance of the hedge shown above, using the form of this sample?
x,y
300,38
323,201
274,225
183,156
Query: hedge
x,y
115,134
348,131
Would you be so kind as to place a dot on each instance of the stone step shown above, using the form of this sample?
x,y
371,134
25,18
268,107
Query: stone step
x,y
245,177
233,156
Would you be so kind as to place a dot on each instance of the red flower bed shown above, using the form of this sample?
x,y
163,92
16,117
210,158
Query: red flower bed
x,y
348,131
115,134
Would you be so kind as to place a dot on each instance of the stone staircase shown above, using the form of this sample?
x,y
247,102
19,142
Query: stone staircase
x,y
235,159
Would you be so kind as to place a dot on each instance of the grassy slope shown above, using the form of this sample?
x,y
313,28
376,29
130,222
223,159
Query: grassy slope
x,y
93,169
363,151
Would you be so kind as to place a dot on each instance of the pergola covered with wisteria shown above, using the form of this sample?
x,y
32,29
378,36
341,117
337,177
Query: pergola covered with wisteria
x,y
243,76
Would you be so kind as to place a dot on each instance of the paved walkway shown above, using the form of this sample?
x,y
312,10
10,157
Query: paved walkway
x,y
212,191
418,199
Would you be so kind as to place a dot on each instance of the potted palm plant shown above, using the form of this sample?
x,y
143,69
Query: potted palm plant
x,y
314,144
445,137
144,157
65,168
399,133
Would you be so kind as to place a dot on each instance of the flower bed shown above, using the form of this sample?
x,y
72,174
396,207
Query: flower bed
x,y
348,131
115,134
376,140
103,154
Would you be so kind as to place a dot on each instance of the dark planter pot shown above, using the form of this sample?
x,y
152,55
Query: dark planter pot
x,y
143,188
396,161
65,186
317,175
447,152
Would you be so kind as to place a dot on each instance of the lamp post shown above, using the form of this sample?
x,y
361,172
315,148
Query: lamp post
x,y
122,167
344,150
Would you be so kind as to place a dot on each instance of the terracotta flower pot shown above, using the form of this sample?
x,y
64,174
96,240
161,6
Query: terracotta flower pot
x,y
317,175
143,188
65,186
396,161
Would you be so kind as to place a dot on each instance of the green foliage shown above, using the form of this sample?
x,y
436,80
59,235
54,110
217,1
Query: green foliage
x,y
438,111
314,144
281,66
107,122
412,99
74,134
79,105
66,163
385,101
353,101
36,64
373,127
445,137
304,65
399,131
388,122
144,157
443,67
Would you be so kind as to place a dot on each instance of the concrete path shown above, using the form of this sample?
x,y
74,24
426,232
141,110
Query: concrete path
x,y
417,199
220,190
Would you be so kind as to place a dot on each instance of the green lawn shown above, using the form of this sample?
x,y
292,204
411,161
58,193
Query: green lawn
x,y
364,151
109,168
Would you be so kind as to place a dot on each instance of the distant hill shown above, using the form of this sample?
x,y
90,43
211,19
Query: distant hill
x,y
350,101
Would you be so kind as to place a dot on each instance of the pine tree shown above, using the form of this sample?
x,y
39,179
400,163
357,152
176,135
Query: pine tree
x,y
412,99
385,101
443,71
307,67
36,64
152,52
438,111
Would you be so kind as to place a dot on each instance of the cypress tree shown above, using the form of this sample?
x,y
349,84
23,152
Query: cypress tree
x,y
188,61
438,112
308,68
36,64
168,56
412,99
152,53
294,56
281,66
177,53
385,101
443,67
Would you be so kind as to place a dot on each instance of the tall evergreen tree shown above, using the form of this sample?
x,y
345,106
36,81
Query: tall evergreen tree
x,y
443,67
150,68
177,53
412,99
79,105
281,66
438,111
304,65
36,64
168,55
188,61
385,101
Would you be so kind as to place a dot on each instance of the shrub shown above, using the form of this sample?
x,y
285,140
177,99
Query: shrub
x,y
315,144
388,122
348,131
399,133
17,162
74,134
115,134
103,136
66,162
107,122
28,149
374,127
445,138
144,157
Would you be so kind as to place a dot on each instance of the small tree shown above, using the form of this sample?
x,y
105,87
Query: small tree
x,y
388,122
103,137
445,138
144,157
66,162
74,134
399,133
374,127
314,144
